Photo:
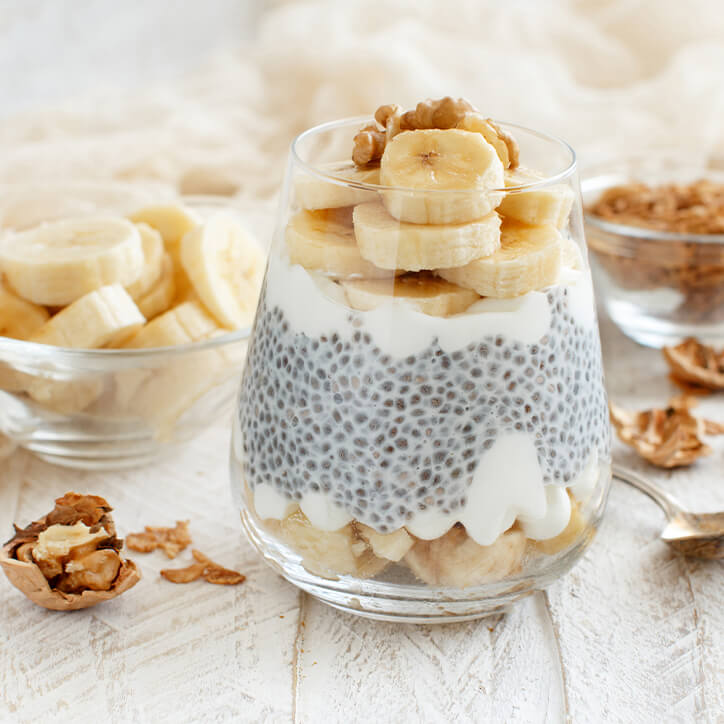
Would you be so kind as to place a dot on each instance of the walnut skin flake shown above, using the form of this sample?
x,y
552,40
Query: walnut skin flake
x,y
668,438
696,364
69,559
170,540
212,572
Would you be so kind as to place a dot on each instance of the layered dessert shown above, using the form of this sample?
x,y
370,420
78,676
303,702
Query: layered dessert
x,y
423,392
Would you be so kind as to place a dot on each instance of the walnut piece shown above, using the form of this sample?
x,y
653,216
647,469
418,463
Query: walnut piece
x,y
170,540
668,438
444,113
70,558
212,572
697,364
184,575
370,142
369,145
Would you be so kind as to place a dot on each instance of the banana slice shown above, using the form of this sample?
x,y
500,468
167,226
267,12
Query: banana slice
x,y
226,266
163,293
172,221
64,396
504,145
547,205
18,318
529,258
392,546
314,193
424,292
571,254
461,163
103,318
457,560
324,241
185,323
328,553
392,244
573,533
153,252
58,262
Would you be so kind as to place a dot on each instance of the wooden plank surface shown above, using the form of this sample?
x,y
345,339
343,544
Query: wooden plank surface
x,y
633,633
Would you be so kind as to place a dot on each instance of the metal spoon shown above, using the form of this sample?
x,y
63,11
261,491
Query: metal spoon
x,y
694,534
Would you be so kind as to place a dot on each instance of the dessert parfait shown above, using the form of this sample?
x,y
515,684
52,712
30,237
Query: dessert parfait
x,y
422,428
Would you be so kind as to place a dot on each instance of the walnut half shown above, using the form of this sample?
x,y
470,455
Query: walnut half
x,y
70,558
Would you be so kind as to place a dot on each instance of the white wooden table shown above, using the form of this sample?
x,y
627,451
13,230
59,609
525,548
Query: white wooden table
x,y
634,633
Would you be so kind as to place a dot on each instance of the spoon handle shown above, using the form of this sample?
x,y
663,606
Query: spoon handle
x,y
666,502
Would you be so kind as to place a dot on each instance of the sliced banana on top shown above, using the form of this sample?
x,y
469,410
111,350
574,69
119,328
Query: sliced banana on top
x,y
315,193
225,265
392,244
102,318
529,258
152,244
547,205
458,169
457,560
424,292
19,318
324,241
58,262
571,255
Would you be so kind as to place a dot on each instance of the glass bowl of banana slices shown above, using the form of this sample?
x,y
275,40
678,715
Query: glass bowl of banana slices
x,y
124,319
422,430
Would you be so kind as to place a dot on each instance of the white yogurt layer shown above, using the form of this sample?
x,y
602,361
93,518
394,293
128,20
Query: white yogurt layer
x,y
315,306
507,486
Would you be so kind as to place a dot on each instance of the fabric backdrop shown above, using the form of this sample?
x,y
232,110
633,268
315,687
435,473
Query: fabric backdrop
x,y
609,76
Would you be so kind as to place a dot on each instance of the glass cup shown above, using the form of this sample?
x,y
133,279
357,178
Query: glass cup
x,y
405,449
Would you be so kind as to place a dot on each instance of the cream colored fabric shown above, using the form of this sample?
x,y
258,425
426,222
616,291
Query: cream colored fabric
x,y
607,75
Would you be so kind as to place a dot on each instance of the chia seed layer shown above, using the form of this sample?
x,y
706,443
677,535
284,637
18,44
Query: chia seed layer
x,y
386,437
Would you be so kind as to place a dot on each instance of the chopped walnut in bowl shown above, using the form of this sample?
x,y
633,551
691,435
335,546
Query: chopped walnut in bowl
x,y
70,558
655,231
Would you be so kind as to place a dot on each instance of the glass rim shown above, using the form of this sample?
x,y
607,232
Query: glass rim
x,y
643,232
47,352
316,170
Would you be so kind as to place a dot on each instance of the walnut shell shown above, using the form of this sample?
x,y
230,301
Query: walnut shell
x,y
27,577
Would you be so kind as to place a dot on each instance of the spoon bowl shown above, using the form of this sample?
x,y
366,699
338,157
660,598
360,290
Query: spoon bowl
x,y
699,535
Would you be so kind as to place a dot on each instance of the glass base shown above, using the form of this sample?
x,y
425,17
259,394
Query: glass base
x,y
103,442
651,331
386,600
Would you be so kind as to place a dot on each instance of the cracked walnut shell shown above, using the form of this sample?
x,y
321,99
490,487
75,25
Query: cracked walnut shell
x,y
668,438
69,559
697,364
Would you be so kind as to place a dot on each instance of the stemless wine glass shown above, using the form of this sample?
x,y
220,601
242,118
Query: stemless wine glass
x,y
422,429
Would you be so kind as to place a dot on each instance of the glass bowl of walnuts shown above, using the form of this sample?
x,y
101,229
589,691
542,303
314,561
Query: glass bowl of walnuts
x,y
655,232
